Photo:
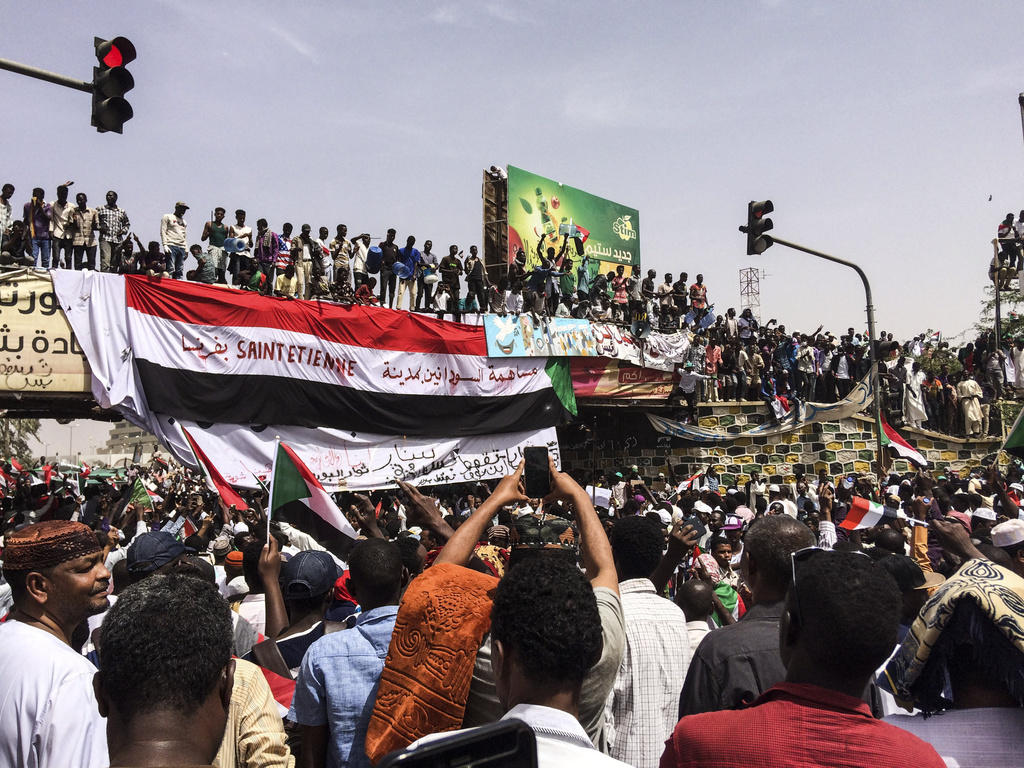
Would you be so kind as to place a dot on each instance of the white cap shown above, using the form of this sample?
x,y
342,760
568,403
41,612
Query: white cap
x,y
1008,534
700,506
773,488
1017,487
985,513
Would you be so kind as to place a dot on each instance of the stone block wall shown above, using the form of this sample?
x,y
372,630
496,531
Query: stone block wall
x,y
844,446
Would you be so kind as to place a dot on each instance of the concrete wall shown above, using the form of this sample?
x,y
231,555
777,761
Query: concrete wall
x,y
625,437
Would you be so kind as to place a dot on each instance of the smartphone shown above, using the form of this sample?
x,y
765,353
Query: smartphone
x,y
698,526
504,744
537,472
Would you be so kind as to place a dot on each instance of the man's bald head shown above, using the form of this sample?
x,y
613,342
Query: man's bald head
x,y
695,598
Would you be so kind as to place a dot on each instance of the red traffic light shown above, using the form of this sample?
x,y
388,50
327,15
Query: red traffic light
x,y
116,52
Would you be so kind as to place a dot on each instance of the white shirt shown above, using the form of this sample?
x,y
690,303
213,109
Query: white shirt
x,y
643,707
696,630
253,609
172,231
992,737
48,711
561,740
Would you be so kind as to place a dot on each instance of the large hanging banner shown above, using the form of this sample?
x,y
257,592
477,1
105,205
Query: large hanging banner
x,y
528,336
604,378
38,352
809,413
540,209
164,352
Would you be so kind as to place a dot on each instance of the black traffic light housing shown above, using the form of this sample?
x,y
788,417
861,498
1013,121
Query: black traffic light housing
x,y
757,225
110,82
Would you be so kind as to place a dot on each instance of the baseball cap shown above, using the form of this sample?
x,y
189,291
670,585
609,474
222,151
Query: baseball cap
x,y
153,550
180,204
732,523
1008,534
310,573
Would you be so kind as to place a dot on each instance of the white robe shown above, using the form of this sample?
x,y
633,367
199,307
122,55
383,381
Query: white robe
x,y
913,404
1017,355
969,392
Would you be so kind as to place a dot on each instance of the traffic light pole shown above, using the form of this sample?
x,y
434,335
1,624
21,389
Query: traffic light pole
x,y
42,74
876,408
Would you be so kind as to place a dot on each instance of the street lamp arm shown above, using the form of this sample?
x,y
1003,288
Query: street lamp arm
x,y
876,408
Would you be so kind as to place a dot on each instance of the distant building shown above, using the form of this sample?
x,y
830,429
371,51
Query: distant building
x,y
124,440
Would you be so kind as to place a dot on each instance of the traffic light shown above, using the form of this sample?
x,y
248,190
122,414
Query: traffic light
x,y
757,225
110,82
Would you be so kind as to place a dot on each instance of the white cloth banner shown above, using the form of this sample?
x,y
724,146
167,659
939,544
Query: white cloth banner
x,y
340,459
357,461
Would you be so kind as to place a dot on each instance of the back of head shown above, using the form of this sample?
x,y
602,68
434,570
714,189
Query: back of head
x,y
847,611
636,544
545,616
375,571
165,644
891,541
695,597
769,544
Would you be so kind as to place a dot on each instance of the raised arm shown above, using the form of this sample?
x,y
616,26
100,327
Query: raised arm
x,y
594,546
459,548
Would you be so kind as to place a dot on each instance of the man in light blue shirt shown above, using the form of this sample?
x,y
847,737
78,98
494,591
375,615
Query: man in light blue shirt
x,y
337,683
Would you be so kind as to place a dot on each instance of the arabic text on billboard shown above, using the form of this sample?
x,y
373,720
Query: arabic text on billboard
x,y
540,209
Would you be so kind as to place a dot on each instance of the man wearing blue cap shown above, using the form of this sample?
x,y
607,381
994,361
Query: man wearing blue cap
x,y
155,552
304,584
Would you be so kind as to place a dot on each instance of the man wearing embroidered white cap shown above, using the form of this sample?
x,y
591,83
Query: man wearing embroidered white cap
x,y
1009,537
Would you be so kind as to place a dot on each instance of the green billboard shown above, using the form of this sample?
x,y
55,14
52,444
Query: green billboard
x,y
540,209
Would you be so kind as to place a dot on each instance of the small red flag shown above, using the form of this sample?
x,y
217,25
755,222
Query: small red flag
x,y
228,495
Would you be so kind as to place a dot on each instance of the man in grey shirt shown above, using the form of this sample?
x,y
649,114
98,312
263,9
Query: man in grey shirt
x,y
734,665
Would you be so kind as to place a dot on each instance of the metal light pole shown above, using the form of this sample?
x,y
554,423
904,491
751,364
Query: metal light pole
x,y
1020,101
876,407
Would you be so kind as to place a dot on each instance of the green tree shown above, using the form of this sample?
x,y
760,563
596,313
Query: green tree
x,y
14,437
1011,311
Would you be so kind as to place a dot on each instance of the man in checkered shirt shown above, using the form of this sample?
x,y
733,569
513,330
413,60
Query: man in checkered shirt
x,y
642,707
114,228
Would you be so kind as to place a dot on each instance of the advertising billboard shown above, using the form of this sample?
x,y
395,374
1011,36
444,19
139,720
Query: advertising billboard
x,y
541,210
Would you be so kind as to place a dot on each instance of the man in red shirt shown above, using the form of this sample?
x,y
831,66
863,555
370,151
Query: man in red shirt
x,y
839,624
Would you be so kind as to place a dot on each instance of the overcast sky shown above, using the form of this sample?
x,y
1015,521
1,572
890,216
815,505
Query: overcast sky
x,y
878,129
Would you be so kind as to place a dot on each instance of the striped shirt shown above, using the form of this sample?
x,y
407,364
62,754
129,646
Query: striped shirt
x,y
254,735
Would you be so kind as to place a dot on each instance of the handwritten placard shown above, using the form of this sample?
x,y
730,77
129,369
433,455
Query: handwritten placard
x,y
38,351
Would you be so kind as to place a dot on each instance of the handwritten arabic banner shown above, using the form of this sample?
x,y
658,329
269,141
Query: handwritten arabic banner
x,y
358,461
524,336
540,208
38,351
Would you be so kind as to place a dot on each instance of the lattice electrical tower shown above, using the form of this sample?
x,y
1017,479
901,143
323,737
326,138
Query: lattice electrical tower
x,y
750,291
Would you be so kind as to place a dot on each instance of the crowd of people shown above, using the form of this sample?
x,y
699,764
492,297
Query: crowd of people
x,y
692,624
925,383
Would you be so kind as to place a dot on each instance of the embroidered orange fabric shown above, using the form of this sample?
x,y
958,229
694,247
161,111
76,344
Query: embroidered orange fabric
x,y
443,617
